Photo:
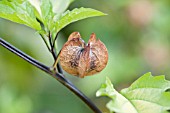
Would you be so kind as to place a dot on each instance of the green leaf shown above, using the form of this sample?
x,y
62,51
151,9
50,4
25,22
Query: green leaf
x,y
118,103
47,14
22,13
148,94
77,14
59,6
46,9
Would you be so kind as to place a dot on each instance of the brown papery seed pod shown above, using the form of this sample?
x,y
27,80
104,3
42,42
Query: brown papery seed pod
x,y
80,59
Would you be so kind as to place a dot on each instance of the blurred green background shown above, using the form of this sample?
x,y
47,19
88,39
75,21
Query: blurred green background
x,y
136,33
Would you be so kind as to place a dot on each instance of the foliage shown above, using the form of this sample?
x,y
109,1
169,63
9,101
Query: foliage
x,y
75,15
47,22
22,13
127,42
147,94
25,13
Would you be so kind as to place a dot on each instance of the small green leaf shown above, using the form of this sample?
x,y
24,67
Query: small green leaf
x,y
47,14
77,14
22,13
106,89
46,9
59,6
146,95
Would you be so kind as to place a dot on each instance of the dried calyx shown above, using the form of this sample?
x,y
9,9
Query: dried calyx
x,y
80,59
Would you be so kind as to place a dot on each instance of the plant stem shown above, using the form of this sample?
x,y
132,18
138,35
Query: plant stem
x,y
55,39
57,76
56,61
54,54
45,42
52,47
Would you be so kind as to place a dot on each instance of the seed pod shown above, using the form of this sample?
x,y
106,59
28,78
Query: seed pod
x,y
80,59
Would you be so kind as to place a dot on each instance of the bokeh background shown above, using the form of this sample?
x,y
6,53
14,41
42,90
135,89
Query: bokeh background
x,y
136,33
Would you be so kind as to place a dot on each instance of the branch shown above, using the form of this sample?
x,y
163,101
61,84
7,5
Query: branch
x,y
46,69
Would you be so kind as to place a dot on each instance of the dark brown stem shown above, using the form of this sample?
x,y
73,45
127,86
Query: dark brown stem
x,y
57,56
57,76
52,51
53,45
